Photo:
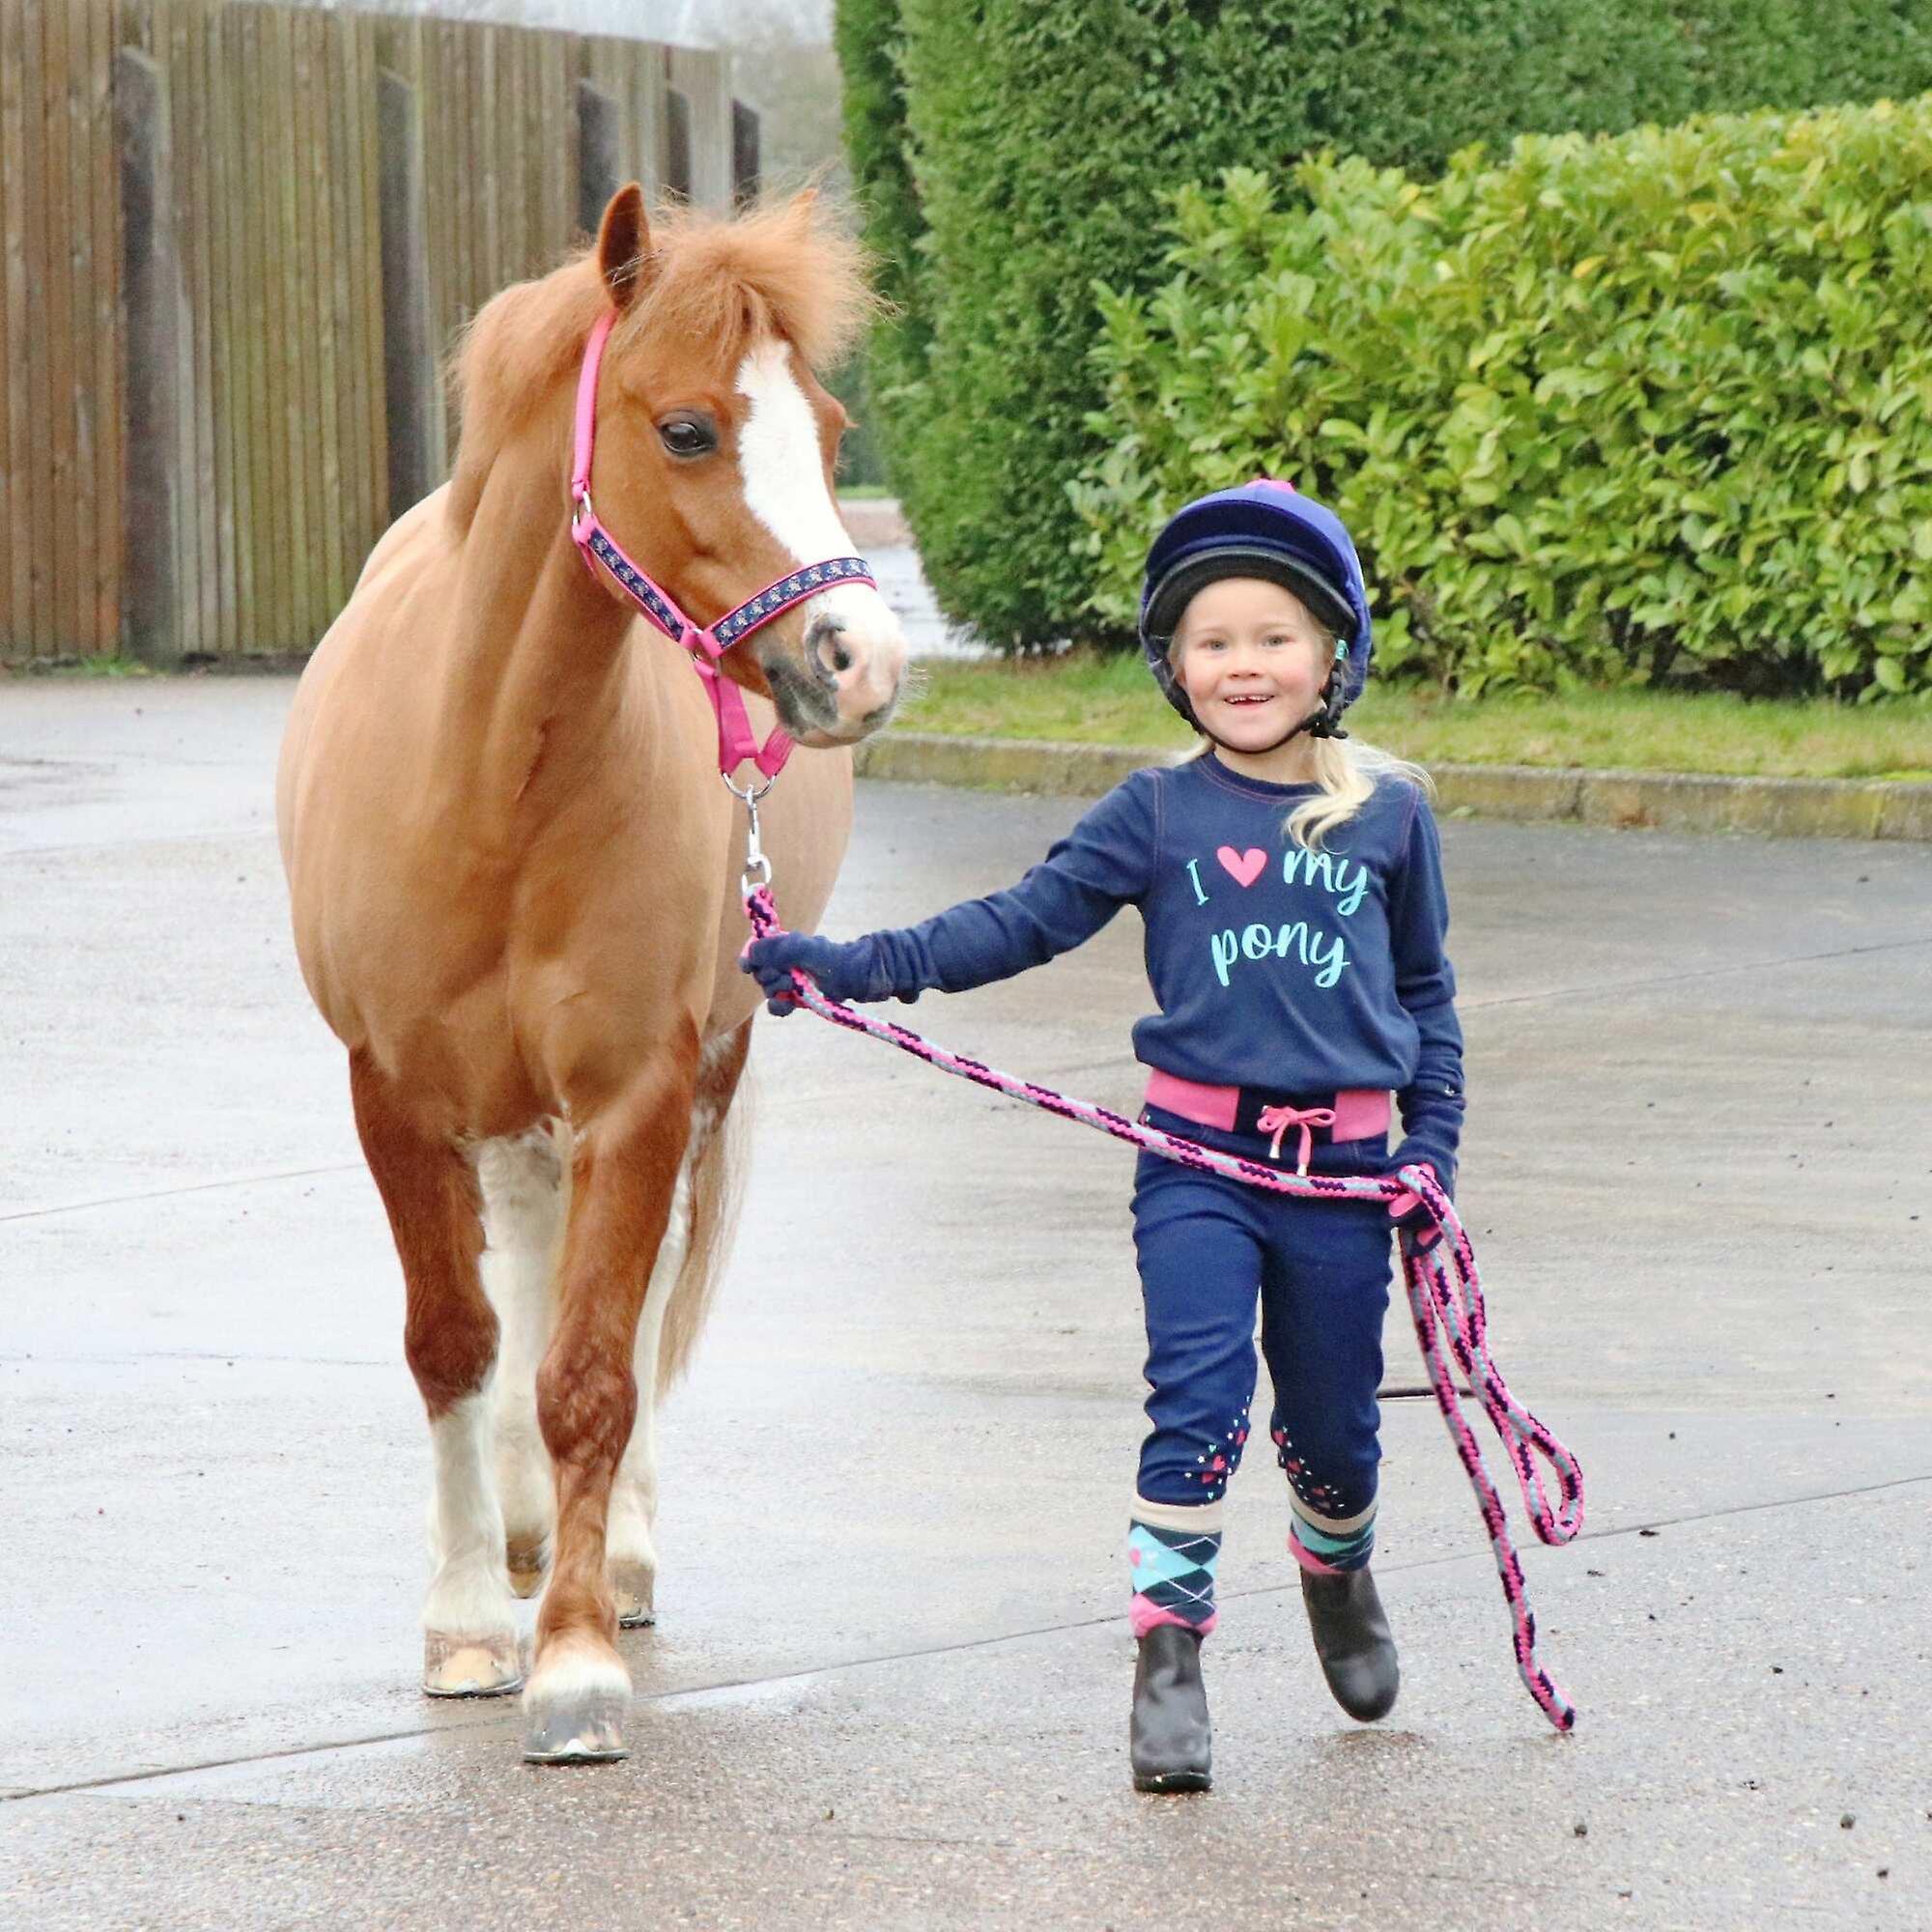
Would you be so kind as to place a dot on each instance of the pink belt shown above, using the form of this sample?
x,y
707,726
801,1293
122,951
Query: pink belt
x,y
1352,1113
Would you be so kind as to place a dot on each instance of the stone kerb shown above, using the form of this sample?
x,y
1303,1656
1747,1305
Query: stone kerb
x,y
1661,801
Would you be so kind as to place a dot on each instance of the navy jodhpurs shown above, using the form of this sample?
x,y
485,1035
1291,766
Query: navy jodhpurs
x,y
1208,1246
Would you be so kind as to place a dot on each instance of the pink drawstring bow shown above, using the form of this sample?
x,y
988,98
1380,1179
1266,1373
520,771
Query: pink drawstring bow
x,y
1277,1121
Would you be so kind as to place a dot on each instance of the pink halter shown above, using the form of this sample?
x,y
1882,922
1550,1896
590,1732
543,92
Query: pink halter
x,y
706,643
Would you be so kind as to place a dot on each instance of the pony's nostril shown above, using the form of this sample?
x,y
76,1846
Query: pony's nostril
x,y
829,654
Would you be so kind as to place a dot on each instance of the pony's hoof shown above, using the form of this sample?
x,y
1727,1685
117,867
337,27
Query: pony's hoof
x,y
586,1729
576,1713
634,1585
480,1666
529,1565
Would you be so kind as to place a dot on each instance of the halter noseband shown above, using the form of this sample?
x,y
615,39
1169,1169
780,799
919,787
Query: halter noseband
x,y
705,644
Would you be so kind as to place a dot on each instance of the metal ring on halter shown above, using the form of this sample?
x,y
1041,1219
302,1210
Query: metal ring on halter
x,y
758,867
744,793
581,508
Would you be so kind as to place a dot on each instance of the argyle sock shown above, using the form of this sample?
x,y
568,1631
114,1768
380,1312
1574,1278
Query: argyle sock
x,y
1171,1549
1327,1544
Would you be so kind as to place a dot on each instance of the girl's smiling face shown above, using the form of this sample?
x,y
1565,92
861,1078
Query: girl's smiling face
x,y
1252,660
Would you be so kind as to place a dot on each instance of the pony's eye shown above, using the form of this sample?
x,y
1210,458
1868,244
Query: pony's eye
x,y
687,436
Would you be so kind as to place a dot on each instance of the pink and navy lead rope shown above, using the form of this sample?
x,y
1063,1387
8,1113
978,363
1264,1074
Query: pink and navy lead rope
x,y
1445,1299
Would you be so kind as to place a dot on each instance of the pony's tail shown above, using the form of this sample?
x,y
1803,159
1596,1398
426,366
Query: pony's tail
x,y
716,1193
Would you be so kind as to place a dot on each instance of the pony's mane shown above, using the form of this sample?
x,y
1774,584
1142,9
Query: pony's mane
x,y
791,270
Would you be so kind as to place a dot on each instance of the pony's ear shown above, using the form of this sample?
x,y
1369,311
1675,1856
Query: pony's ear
x,y
624,244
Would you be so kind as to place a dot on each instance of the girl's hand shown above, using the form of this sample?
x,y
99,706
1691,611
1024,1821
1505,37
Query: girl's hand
x,y
1407,1213
843,972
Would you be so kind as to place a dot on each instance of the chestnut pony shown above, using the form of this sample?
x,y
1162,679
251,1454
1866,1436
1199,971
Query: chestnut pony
x,y
513,875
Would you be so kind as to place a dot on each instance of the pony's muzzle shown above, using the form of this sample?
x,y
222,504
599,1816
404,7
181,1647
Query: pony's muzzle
x,y
859,673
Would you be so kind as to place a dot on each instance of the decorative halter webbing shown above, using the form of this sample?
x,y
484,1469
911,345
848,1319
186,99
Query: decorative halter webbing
x,y
707,643
1445,1296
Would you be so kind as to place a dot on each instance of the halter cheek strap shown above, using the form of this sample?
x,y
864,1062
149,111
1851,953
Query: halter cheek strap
x,y
705,644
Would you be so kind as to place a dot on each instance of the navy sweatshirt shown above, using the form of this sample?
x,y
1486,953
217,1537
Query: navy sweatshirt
x,y
1272,966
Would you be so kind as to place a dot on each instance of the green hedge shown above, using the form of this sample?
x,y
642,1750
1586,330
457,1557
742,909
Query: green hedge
x,y
862,460
1010,153
865,36
1651,409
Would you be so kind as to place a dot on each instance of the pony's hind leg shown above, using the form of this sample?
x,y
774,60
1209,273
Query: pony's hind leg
x,y
687,1267
625,1170
526,1194
449,1336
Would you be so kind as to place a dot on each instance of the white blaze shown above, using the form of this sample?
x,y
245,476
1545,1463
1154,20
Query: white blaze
x,y
783,474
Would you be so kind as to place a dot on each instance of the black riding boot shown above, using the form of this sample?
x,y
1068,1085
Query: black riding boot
x,y
1169,1741
1353,1640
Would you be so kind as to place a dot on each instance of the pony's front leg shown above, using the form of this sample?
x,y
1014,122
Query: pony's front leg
x,y
625,1176
688,1264
632,1548
449,1336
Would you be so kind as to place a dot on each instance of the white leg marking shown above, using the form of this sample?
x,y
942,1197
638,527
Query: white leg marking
x,y
524,1188
571,1672
469,1600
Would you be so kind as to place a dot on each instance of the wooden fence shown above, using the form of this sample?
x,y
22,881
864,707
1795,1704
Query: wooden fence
x,y
237,241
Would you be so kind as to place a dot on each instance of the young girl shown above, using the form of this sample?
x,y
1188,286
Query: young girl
x,y
1290,884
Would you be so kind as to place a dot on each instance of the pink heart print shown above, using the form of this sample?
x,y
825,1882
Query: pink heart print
x,y
1244,867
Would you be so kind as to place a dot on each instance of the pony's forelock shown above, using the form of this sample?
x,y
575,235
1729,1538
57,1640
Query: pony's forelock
x,y
791,270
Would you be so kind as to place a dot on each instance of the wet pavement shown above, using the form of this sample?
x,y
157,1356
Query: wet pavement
x,y
888,1687
878,529
901,579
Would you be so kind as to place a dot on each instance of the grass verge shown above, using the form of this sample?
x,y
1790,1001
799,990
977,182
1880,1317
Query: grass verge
x,y
1086,697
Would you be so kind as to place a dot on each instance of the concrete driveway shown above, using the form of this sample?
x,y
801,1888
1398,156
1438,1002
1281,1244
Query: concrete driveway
x,y
888,1685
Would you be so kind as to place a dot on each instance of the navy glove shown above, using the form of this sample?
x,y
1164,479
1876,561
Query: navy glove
x,y
1411,1217
844,971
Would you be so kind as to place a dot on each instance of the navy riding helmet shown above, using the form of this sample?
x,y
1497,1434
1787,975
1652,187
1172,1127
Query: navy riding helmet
x,y
1266,529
